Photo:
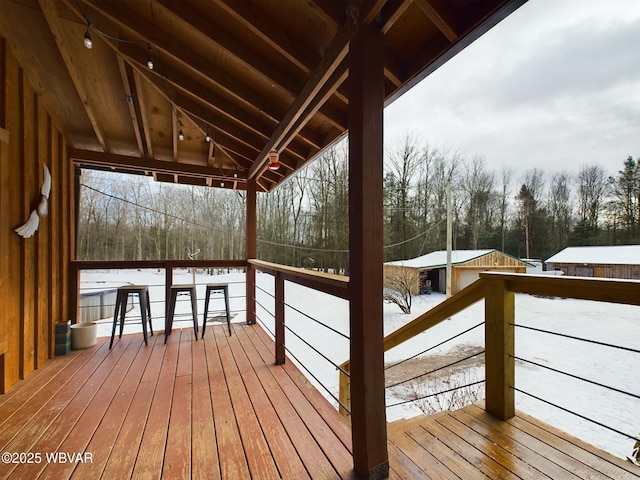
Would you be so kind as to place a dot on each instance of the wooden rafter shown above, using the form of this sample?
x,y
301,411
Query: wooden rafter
x,y
432,13
128,82
334,55
51,15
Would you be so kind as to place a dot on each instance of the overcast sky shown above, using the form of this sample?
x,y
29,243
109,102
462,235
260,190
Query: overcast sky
x,y
556,85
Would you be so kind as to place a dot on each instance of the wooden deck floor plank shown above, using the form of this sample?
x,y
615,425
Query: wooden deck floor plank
x,y
567,467
497,453
56,418
230,452
402,466
424,457
259,457
608,465
327,411
104,438
296,387
42,433
80,435
177,458
312,456
284,453
51,371
453,460
149,461
204,453
513,447
125,450
27,411
480,459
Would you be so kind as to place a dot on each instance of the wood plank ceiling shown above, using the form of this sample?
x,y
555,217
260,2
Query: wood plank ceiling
x,y
252,74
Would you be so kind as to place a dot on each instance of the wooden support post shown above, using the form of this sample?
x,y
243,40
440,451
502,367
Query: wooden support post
x,y
366,103
252,227
279,311
499,345
168,281
74,293
344,392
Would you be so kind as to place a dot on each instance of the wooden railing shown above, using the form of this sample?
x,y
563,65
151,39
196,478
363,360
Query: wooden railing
x,y
336,285
498,289
167,265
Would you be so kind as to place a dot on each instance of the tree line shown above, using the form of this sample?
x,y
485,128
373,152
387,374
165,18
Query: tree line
x,y
529,214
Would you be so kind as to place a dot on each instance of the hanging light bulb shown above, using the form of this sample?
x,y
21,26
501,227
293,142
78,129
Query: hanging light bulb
x,y
149,60
180,135
222,184
274,159
207,137
87,39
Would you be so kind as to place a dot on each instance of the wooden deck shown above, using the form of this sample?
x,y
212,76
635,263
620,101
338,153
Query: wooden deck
x,y
470,443
220,408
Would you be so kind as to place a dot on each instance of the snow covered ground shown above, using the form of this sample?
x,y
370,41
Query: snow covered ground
x,y
607,323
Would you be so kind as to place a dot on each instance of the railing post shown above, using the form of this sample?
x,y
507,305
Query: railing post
x,y
279,311
366,254
344,394
251,252
499,348
168,281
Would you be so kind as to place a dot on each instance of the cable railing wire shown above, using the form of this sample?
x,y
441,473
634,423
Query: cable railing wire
x,y
431,348
318,351
600,424
436,369
265,326
435,394
588,340
264,291
577,377
317,321
319,382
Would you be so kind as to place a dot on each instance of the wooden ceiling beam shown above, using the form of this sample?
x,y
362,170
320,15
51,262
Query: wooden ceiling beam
x,y
364,12
438,20
224,109
89,158
284,80
270,34
50,13
287,81
128,82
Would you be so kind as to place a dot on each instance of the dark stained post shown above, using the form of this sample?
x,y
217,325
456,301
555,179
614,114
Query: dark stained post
x,y
279,308
252,228
366,103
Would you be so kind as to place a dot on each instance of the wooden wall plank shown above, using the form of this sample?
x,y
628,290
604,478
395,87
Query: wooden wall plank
x,y
13,212
55,250
33,271
30,193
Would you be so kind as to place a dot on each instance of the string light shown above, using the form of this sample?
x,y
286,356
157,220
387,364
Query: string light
x,y
88,42
207,138
180,134
150,60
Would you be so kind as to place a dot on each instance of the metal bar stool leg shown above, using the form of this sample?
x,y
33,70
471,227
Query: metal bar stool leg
x,y
149,312
206,310
194,312
168,324
226,306
115,318
142,299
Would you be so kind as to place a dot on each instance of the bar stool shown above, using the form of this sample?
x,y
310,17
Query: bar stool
x,y
216,287
121,308
181,290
